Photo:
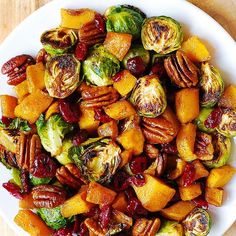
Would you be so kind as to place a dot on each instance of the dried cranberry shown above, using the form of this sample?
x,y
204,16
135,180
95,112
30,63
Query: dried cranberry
x,y
67,231
69,111
135,208
117,77
81,51
25,181
13,189
136,66
158,68
6,121
43,166
120,182
200,202
138,164
137,180
214,119
101,116
80,137
105,215
169,148
100,22
93,212
188,174
83,230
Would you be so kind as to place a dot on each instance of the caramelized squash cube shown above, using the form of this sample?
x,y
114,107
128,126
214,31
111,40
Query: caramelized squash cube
x,y
228,99
126,156
8,104
190,192
53,109
22,89
214,196
109,129
120,203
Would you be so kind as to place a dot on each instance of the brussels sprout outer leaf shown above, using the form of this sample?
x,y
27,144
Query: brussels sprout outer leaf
x,y
63,158
37,181
171,228
203,115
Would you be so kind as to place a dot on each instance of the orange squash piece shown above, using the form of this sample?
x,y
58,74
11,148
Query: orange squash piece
x,y
22,89
118,44
27,202
109,129
32,223
214,196
54,108
8,104
126,156
33,105
228,99
120,203
190,192
178,171
200,170
187,104
35,77
99,194
195,49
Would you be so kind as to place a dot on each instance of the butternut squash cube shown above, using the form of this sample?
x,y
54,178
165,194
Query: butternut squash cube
x,y
118,44
185,142
8,104
22,89
214,196
190,192
35,77
120,203
109,129
178,211
120,110
132,139
99,194
33,105
54,108
228,99
178,171
126,156
200,170
76,18
195,49
125,83
187,104
219,177
154,194
32,223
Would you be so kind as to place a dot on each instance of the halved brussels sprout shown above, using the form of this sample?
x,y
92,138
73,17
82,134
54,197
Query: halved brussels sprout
x,y
227,126
62,75
124,19
58,40
149,97
97,159
222,150
100,66
170,228
162,34
203,115
211,85
197,223
135,51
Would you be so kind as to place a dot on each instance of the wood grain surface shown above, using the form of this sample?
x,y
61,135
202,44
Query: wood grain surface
x,y
12,12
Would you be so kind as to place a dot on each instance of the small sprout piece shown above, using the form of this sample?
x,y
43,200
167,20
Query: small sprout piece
x,y
7,105
200,120
124,19
214,196
63,157
100,66
161,34
228,99
58,41
37,181
118,44
195,49
190,192
149,97
9,139
62,75
197,223
170,228
211,85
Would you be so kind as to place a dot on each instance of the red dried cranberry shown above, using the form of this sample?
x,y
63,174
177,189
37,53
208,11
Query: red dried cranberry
x,y
100,22
137,180
13,189
67,231
6,121
214,118
25,181
117,77
136,66
80,137
158,68
200,202
81,51
188,175
93,212
69,111
169,148
101,116
120,181
138,164
105,215
135,208
129,192
83,230
43,166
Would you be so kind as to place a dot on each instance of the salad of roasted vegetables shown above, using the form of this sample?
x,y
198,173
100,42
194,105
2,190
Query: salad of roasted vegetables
x,y
120,125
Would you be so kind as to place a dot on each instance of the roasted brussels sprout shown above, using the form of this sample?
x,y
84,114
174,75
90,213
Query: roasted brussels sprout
x,y
62,75
98,159
149,97
135,51
203,115
170,228
227,125
211,85
37,181
124,19
58,40
100,66
161,34
197,223
16,176
222,150
63,157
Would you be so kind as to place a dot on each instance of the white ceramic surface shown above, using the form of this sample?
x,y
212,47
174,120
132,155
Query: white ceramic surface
x,y
25,39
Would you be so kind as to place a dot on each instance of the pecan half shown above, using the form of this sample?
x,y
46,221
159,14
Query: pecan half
x,y
145,227
70,175
26,150
181,70
151,151
42,56
99,96
15,68
48,196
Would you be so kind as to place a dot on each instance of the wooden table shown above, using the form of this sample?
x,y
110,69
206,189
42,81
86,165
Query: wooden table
x,y
12,12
